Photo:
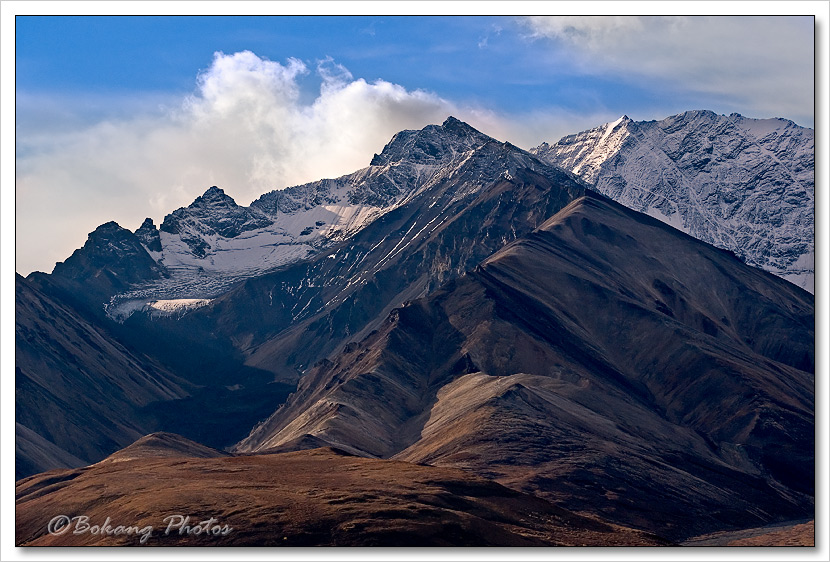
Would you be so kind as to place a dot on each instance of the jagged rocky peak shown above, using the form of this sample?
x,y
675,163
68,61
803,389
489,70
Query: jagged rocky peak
x,y
214,212
431,145
149,235
110,240
214,197
114,249
583,153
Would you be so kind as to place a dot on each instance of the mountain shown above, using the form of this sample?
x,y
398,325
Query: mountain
x,y
460,303
470,195
214,243
112,260
285,321
605,361
321,497
79,392
744,185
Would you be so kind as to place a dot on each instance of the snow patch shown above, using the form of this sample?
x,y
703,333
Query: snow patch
x,y
171,306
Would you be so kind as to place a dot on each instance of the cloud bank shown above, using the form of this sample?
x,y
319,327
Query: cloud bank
x,y
763,66
245,128
249,127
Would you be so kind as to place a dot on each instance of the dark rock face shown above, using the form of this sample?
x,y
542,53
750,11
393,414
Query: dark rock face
x,y
76,387
113,253
149,235
112,260
605,361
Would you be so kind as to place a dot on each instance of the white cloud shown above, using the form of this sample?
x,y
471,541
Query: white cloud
x,y
761,66
245,129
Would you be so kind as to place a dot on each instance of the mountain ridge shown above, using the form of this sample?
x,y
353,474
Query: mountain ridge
x,y
203,250
581,389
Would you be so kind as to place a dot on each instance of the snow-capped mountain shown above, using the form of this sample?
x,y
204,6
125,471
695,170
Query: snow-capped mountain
x,y
744,185
465,213
214,243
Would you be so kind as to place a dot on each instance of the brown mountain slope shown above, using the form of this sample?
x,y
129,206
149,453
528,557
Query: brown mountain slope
x,y
317,497
606,361
162,444
788,533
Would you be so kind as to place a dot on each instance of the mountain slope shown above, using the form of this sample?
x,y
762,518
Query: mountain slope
x,y
744,185
606,361
75,386
286,321
33,454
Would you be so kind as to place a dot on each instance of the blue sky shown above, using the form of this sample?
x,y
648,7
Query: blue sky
x,y
491,61
120,118
496,62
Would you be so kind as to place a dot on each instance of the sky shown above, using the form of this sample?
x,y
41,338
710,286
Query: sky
x,y
122,118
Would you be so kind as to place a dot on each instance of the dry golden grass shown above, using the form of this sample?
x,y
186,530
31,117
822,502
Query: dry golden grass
x,y
779,534
317,497
797,535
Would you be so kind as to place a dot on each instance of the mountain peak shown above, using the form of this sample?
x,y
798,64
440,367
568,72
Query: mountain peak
x,y
453,123
149,235
458,127
434,144
213,212
114,251
106,228
624,121
697,113
214,195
